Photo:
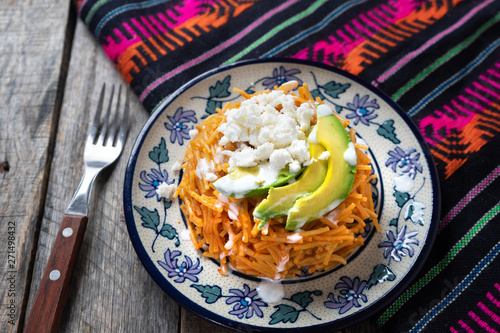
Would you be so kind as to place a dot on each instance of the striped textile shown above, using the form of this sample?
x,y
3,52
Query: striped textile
x,y
438,59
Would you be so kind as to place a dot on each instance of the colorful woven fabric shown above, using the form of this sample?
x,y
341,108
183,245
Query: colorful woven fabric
x,y
438,59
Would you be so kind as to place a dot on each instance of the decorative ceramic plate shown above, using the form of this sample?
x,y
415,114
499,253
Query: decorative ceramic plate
x,y
406,196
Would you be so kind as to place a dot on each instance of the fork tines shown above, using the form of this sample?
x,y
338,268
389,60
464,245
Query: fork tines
x,y
101,132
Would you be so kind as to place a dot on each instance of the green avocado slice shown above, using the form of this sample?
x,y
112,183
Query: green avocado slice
x,y
281,199
339,178
240,183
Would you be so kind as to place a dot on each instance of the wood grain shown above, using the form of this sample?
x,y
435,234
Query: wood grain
x,y
110,290
35,36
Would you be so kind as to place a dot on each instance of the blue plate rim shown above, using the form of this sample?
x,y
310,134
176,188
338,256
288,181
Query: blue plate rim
x,y
344,322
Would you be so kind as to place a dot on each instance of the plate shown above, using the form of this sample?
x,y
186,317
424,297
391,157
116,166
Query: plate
x,y
406,194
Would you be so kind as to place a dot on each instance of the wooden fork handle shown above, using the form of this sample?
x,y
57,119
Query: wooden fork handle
x,y
52,293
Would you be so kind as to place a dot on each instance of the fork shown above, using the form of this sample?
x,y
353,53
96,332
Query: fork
x,y
104,145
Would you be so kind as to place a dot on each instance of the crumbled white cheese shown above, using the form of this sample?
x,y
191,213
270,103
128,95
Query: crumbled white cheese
x,y
166,190
193,133
176,167
266,124
294,167
298,149
304,114
309,162
263,152
324,155
211,177
280,158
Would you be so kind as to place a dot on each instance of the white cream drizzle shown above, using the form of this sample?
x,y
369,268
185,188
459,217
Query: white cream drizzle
x,y
403,183
350,155
270,291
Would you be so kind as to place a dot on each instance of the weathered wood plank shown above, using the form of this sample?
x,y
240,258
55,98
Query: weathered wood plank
x,y
32,54
110,290
190,323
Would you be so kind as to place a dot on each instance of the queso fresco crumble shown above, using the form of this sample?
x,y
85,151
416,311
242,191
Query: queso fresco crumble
x,y
274,129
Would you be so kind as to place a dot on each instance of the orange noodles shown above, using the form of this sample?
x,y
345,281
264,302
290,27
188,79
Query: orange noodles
x,y
224,228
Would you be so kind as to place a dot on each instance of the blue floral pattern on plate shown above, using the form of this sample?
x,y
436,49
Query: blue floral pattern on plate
x,y
408,215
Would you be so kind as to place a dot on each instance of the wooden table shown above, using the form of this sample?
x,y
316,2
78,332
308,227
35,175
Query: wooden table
x,y
52,72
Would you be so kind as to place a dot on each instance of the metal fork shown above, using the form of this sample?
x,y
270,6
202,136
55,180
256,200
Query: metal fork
x,y
104,145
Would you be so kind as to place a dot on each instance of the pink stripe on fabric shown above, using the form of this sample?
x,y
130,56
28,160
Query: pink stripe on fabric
x,y
484,325
483,88
497,286
469,196
157,24
360,27
464,99
452,329
139,26
490,81
343,36
490,313
387,8
351,31
492,72
368,21
461,107
150,27
478,96
493,299
212,52
382,14
431,42
376,19
465,326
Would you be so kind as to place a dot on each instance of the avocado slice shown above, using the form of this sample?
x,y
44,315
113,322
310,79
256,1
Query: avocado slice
x,y
339,178
281,199
253,181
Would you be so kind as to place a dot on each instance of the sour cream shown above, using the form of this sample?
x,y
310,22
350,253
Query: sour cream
x,y
230,187
270,291
403,183
350,155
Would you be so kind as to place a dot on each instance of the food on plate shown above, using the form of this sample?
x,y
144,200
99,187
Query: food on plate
x,y
276,186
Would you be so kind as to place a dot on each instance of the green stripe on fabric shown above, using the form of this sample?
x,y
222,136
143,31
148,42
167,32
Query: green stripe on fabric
x,y
439,267
444,58
282,26
92,10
